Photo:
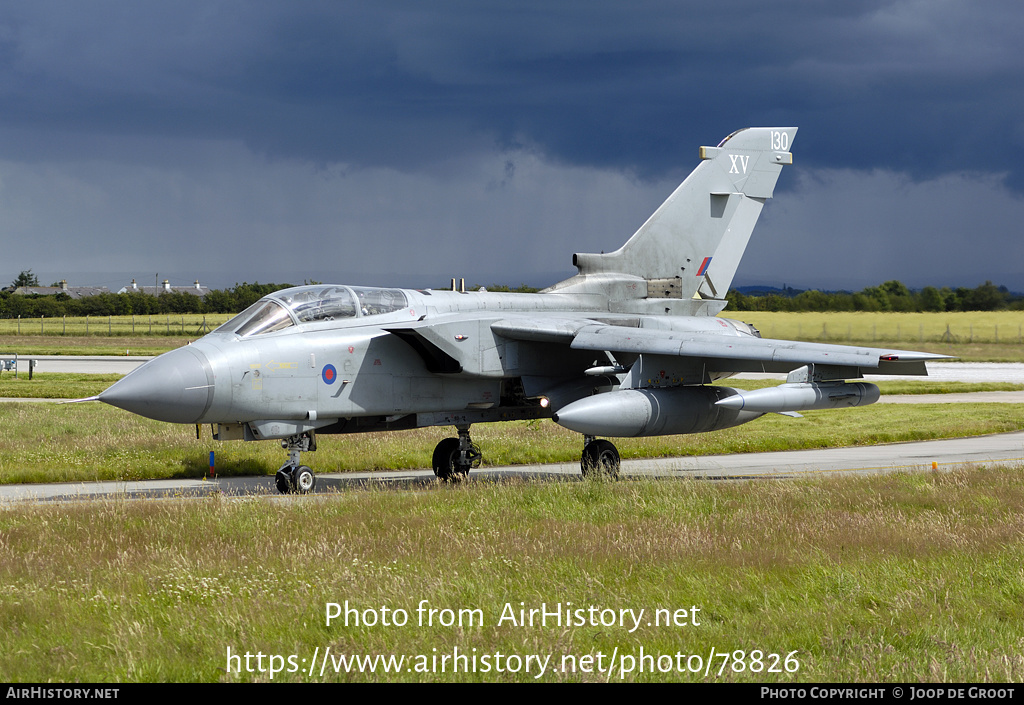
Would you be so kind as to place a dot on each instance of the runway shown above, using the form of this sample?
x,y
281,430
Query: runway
x,y
80,364
1007,448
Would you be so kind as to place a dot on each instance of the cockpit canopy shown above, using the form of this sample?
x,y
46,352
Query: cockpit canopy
x,y
307,304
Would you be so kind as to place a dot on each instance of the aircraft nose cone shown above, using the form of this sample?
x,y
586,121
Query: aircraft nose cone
x,y
176,387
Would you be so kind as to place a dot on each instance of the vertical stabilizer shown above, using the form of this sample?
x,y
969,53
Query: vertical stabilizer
x,y
692,245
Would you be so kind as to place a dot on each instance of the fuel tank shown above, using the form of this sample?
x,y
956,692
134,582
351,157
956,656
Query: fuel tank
x,y
803,397
653,412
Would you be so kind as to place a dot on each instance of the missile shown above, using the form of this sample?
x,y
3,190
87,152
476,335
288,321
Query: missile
x,y
803,397
606,370
652,412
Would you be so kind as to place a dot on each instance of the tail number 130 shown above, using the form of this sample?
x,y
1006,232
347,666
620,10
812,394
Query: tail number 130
x,y
780,140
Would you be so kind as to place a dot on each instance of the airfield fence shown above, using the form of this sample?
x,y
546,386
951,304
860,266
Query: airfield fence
x,y
966,327
114,326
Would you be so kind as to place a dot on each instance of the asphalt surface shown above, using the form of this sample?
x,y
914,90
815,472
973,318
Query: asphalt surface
x,y
946,454
79,364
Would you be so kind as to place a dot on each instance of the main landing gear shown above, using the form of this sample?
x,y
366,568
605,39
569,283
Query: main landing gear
x,y
454,457
294,477
600,458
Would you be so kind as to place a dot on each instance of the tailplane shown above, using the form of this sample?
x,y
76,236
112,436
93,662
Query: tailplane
x,y
692,245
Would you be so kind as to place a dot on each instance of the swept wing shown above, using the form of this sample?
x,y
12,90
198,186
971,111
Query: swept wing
x,y
726,349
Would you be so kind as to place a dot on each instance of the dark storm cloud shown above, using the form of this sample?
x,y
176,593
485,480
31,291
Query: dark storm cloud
x,y
923,87
229,140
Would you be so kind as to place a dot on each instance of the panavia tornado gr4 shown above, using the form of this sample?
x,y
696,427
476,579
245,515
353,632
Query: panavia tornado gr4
x,y
629,346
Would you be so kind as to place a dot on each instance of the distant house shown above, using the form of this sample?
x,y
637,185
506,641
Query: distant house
x,y
75,292
196,289
80,292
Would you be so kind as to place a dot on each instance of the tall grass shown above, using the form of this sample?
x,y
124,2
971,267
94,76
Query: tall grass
x,y
899,577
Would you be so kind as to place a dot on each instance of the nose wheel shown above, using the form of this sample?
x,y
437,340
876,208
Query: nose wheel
x,y
293,476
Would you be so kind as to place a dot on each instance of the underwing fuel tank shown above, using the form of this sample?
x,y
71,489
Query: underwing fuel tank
x,y
653,412
803,397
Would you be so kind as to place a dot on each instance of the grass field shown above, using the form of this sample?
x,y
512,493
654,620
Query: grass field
x,y
894,578
1001,327
989,336
944,328
28,345
54,385
967,335
59,385
173,324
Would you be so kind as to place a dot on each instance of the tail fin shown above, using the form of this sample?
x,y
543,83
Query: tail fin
x,y
692,245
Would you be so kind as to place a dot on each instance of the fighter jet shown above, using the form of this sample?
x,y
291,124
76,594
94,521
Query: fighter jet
x,y
629,346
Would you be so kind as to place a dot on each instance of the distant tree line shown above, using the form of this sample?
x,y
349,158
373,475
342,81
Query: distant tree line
x,y
231,300
890,296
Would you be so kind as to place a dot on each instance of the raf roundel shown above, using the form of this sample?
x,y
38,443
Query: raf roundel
x,y
329,374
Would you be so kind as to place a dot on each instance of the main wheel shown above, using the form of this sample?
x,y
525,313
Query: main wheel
x,y
304,479
446,459
600,458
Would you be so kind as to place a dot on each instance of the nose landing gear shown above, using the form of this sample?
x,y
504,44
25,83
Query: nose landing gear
x,y
293,476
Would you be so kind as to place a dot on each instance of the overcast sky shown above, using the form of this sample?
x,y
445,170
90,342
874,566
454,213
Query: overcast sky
x,y
404,143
